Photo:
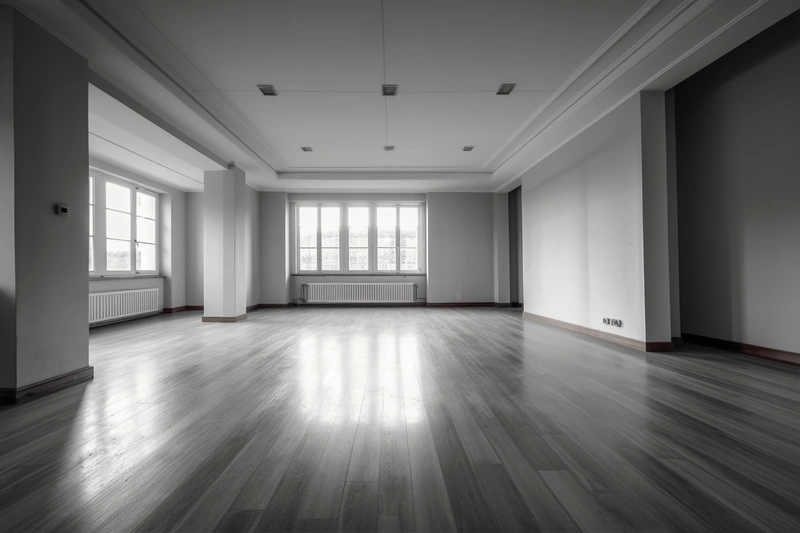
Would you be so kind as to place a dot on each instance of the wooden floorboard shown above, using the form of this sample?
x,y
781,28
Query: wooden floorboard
x,y
403,419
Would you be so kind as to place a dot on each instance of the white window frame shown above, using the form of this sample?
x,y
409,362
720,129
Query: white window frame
x,y
100,259
344,233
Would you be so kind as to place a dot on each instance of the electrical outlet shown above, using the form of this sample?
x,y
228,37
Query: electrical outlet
x,y
612,322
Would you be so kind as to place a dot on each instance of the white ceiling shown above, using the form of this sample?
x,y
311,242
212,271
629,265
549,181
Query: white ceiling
x,y
191,66
328,59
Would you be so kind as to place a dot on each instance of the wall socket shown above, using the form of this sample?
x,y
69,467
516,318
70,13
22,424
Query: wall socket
x,y
612,322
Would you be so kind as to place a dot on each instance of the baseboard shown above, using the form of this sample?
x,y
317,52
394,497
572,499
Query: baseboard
x,y
48,386
747,349
273,306
610,337
251,308
169,310
462,304
123,319
225,318
365,304
505,305
194,308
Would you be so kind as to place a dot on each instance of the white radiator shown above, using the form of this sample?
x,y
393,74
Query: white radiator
x,y
333,293
105,306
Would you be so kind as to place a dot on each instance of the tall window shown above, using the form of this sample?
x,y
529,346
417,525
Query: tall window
x,y
124,238
330,220
359,238
118,228
387,238
91,224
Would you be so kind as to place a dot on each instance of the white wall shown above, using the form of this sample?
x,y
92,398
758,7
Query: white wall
x,y
50,160
738,146
253,249
583,229
194,249
460,247
274,248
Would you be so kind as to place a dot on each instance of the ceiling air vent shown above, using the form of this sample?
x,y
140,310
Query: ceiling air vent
x,y
389,90
506,88
468,148
267,90
306,149
389,148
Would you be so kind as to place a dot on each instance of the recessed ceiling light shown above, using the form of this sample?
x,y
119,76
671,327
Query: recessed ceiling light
x,y
389,90
306,148
389,148
506,88
468,148
267,90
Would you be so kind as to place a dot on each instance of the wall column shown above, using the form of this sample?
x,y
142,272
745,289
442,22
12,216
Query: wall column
x,y
44,161
224,215
655,211
502,271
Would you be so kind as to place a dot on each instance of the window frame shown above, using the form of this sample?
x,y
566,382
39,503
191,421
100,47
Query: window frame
x,y
100,235
344,238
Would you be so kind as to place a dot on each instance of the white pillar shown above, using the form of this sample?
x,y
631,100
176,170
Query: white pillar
x,y
658,334
224,215
502,272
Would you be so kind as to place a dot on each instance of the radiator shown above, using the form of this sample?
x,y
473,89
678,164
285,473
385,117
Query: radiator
x,y
360,292
105,306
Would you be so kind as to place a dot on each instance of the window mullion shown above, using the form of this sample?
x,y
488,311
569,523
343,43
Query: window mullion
x,y
133,224
319,239
100,255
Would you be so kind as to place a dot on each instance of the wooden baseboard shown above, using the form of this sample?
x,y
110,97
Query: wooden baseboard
x,y
225,318
462,304
273,306
251,308
170,310
194,308
748,349
610,337
48,386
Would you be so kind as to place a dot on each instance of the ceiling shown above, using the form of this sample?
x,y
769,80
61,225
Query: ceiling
x,y
190,68
327,60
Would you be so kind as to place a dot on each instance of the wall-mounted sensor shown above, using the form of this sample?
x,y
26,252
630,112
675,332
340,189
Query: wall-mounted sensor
x,y
62,210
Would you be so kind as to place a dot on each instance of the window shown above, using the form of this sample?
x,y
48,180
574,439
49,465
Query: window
x,y
123,239
358,238
91,224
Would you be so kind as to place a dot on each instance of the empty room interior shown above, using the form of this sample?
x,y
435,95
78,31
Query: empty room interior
x,y
400,265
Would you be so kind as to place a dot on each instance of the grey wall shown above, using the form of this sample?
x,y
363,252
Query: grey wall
x,y
738,150
50,158
274,247
8,284
194,249
583,231
460,247
502,269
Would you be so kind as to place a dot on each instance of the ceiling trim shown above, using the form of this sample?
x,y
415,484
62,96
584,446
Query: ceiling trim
x,y
124,44
738,20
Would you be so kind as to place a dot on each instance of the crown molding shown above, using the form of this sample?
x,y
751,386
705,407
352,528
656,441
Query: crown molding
x,y
692,36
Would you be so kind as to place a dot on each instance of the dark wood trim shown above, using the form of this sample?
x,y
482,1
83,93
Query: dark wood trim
x,y
677,341
610,337
251,308
170,310
748,349
368,304
462,304
273,306
225,318
48,386
502,305
194,307
659,346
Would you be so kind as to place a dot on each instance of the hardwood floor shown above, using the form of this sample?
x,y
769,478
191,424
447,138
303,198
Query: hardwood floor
x,y
310,419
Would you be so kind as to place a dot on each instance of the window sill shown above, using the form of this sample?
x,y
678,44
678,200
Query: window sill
x,y
351,274
126,276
